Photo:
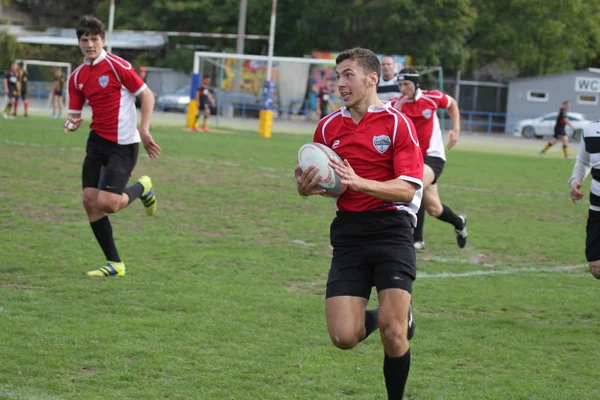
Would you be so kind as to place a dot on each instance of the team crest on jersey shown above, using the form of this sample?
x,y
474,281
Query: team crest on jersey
x,y
103,81
427,113
381,143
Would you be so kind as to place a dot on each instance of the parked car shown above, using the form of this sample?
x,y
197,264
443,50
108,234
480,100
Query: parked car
x,y
177,100
544,126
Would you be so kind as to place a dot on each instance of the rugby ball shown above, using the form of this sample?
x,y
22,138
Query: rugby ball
x,y
318,155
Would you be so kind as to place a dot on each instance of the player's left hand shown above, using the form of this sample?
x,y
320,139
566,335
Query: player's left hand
x,y
152,148
452,138
347,175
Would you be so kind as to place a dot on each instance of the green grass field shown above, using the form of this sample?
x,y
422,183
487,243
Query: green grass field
x,y
223,297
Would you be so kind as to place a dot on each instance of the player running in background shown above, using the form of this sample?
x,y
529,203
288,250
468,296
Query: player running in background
x,y
23,79
324,103
588,159
11,90
371,234
559,130
109,84
205,101
421,106
388,86
57,93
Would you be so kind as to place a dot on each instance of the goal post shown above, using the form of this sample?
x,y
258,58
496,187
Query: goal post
x,y
65,65
291,77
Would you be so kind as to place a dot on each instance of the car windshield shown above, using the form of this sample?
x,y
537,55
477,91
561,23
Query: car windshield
x,y
183,90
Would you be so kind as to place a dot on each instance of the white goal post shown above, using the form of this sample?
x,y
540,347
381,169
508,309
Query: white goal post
x,y
287,76
52,64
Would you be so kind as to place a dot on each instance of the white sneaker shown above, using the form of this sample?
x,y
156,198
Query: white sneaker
x,y
4,115
419,246
461,234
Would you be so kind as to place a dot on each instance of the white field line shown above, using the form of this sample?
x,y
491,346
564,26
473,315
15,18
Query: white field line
x,y
505,271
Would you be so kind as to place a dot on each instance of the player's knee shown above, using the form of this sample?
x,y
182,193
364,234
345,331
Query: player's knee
x,y
344,340
90,202
108,206
595,269
394,335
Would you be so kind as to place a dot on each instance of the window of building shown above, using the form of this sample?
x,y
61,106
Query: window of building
x,y
537,96
587,99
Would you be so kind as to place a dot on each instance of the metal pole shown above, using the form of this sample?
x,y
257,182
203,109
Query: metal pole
x,y
240,44
271,40
111,23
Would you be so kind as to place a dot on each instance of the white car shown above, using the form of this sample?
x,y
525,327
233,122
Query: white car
x,y
544,126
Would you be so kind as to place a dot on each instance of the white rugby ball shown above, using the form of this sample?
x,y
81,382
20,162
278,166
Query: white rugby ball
x,y
318,155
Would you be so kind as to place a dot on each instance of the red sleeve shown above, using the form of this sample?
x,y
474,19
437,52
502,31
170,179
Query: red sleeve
x,y
408,160
76,98
127,75
319,136
441,99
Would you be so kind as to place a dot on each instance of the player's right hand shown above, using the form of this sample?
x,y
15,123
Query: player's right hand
x,y
72,124
306,182
576,193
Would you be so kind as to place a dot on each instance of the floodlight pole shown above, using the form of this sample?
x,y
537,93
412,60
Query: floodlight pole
x,y
111,23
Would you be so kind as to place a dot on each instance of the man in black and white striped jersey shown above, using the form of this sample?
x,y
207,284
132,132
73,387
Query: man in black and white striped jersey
x,y
588,159
388,85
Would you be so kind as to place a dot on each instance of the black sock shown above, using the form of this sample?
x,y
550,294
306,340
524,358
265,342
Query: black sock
x,y
104,235
134,191
371,321
395,370
418,232
448,216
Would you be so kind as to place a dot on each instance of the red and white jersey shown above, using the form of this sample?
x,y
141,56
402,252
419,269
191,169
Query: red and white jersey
x,y
110,85
381,147
422,112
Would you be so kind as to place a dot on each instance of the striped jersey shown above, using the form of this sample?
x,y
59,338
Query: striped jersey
x,y
422,110
588,160
389,89
383,146
110,85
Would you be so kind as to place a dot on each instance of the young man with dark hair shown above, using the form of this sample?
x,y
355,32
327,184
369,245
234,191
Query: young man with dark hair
x,y
23,79
11,90
559,130
588,159
421,107
110,84
205,101
371,234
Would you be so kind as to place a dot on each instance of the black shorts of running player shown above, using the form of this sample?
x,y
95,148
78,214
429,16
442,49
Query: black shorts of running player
x,y
204,105
559,133
592,240
372,248
108,165
437,165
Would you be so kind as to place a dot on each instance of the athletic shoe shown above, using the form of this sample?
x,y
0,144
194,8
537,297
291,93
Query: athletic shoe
x,y
4,115
205,129
148,198
419,245
461,234
110,269
196,129
542,154
411,325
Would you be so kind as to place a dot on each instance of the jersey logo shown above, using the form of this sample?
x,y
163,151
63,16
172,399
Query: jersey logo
x,y
103,80
381,143
335,144
427,113
80,86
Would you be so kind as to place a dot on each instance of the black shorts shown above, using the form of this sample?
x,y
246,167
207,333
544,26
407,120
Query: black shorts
x,y
23,96
592,240
437,165
108,165
559,133
204,105
58,93
373,248
12,93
